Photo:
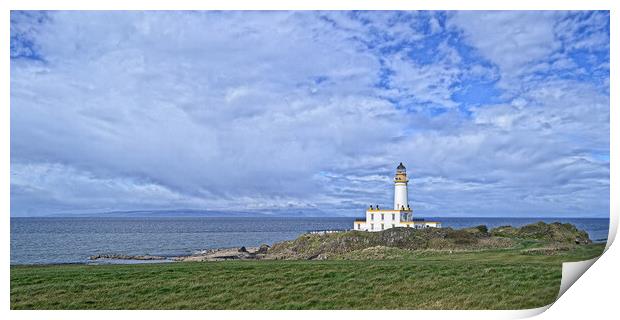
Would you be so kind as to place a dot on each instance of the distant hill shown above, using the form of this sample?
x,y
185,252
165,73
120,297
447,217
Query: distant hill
x,y
199,213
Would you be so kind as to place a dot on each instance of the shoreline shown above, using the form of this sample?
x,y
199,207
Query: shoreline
x,y
442,239
216,254
213,256
170,260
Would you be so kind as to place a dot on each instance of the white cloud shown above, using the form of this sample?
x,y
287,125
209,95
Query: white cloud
x,y
514,40
256,110
424,83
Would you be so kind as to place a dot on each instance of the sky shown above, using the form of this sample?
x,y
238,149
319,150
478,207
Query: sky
x,y
502,113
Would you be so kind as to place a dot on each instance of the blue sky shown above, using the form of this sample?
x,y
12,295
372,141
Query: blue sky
x,y
493,113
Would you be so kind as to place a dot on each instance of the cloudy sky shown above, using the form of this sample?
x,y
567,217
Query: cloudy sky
x,y
493,113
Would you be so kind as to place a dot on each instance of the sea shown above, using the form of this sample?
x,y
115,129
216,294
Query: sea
x,y
72,240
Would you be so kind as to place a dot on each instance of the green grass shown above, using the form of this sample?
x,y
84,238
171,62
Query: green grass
x,y
498,279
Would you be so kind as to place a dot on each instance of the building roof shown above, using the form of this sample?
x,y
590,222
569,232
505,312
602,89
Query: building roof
x,y
401,167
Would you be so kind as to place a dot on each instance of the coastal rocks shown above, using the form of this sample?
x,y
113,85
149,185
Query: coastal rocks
x,y
125,257
262,249
222,254
552,232
242,253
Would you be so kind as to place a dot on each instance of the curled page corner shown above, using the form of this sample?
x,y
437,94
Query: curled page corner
x,y
613,229
528,313
571,271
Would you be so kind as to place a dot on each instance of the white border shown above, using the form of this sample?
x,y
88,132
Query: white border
x,y
575,302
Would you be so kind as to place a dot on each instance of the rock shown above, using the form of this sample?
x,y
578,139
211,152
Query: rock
x,y
125,257
582,241
262,249
243,249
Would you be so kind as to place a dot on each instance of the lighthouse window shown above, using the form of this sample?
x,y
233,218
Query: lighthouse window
x,y
372,226
358,226
382,216
393,216
382,226
372,216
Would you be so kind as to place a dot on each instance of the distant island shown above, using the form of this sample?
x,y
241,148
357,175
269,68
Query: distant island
x,y
190,213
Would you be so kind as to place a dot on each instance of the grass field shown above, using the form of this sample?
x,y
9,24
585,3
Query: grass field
x,y
498,279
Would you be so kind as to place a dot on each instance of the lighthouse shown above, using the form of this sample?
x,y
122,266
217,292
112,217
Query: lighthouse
x,y
402,216
400,188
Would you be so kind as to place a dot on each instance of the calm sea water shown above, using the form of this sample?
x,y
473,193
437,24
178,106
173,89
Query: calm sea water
x,y
72,240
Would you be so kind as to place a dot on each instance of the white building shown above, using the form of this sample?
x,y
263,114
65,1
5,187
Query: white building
x,y
401,216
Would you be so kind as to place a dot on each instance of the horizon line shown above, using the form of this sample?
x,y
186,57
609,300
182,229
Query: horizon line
x,y
81,215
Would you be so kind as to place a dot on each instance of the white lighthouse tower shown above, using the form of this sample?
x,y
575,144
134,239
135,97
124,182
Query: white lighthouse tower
x,y
377,219
400,188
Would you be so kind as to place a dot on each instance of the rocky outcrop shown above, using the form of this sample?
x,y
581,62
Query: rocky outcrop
x,y
338,244
551,232
342,244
